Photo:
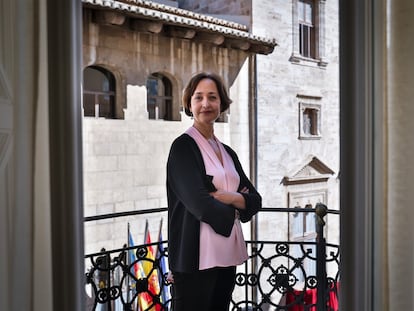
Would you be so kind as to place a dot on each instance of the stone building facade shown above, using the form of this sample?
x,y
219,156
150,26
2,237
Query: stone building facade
x,y
283,123
298,112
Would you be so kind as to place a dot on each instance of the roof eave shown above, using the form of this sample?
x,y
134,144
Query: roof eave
x,y
193,26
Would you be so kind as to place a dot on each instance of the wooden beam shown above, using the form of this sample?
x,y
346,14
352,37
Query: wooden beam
x,y
180,32
214,38
237,44
109,18
146,26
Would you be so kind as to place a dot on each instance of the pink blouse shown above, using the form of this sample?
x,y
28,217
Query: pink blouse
x,y
215,249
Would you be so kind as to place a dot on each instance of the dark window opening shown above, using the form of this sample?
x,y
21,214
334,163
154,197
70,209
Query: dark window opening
x,y
98,93
310,121
306,29
159,98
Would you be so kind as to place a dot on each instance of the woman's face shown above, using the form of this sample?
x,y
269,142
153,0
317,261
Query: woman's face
x,y
205,102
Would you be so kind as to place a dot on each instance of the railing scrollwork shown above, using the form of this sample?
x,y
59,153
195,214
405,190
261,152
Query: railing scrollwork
x,y
287,275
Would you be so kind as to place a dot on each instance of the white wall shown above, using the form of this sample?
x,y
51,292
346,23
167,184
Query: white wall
x,y
280,81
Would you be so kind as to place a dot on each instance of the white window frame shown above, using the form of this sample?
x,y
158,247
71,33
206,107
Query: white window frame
x,y
319,59
317,107
302,199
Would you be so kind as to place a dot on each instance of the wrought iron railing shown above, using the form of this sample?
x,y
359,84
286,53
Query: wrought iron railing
x,y
279,275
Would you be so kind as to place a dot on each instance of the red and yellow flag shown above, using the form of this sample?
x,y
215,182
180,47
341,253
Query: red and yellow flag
x,y
146,299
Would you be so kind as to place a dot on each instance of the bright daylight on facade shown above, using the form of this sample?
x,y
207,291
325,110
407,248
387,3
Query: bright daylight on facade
x,y
279,63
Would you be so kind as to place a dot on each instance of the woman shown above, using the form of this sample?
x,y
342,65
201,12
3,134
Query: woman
x,y
208,195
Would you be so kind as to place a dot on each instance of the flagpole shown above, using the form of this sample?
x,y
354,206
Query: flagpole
x,y
162,269
143,299
158,238
128,261
146,231
128,232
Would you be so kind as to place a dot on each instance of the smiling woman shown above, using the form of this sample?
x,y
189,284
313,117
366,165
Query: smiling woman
x,y
209,196
189,91
205,106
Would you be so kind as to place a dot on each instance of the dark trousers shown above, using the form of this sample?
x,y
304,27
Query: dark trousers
x,y
205,290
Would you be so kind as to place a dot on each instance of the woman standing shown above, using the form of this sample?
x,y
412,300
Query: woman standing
x,y
208,195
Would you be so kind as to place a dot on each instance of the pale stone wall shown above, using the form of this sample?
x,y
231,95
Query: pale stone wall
x,y
279,83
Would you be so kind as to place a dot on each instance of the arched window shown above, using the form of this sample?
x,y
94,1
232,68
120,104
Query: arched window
x,y
98,93
159,97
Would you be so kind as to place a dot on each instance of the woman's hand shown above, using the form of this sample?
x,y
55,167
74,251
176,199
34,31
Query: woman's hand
x,y
231,197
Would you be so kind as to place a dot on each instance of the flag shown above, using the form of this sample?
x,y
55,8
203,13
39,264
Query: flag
x,y
131,286
117,275
136,270
132,257
162,270
146,299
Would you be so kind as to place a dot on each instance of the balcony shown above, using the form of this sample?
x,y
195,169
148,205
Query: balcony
x,y
279,275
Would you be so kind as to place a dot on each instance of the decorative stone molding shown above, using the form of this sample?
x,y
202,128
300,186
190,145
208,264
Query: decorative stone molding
x,y
148,16
314,170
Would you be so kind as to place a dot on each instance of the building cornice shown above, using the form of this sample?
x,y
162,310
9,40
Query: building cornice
x,y
148,16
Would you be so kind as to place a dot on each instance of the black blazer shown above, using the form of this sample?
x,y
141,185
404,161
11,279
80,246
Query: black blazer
x,y
189,202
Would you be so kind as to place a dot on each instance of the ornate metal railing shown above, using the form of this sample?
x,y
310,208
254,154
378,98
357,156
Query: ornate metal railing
x,y
279,275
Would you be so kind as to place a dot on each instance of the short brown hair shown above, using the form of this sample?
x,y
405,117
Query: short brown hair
x,y
225,100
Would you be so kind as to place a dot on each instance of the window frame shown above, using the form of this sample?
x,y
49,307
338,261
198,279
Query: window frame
x,y
169,102
315,106
302,197
361,243
318,58
110,77
307,41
